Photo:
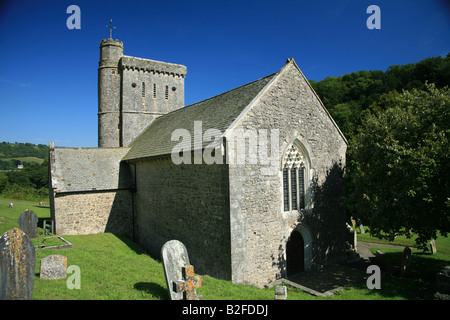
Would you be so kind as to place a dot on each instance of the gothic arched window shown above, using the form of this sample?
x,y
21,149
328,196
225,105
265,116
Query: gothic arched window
x,y
294,166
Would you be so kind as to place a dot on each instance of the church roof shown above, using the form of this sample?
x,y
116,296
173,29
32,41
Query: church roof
x,y
87,169
218,112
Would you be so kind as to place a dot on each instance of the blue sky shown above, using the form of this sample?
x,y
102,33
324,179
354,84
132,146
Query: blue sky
x,y
48,74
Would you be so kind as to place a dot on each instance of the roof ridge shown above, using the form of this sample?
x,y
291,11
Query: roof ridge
x,y
213,97
223,93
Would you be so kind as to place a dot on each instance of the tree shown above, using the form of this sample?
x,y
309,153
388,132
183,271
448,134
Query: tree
x,y
401,165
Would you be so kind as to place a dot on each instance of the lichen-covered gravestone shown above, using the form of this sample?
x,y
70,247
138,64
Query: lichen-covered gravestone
x,y
188,284
178,271
17,263
280,293
53,267
28,221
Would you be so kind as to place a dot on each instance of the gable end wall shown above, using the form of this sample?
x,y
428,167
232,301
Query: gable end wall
x,y
259,226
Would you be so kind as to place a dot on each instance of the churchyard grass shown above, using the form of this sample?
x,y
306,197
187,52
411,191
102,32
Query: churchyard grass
x,y
114,267
9,216
442,243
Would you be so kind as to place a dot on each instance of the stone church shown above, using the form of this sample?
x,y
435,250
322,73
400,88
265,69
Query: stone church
x,y
166,171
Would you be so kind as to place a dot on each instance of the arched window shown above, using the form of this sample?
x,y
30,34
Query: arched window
x,y
294,166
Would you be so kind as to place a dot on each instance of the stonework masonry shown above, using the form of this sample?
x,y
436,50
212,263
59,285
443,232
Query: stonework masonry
x,y
149,90
230,216
189,203
132,92
259,226
97,212
90,190
109,97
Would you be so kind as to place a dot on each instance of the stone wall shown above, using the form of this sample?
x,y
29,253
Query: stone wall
x,y
259,226
149,89
90,190
109,95
94,212
188,203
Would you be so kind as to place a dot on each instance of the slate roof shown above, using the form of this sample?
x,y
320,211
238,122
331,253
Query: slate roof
x,y
87,169
218,112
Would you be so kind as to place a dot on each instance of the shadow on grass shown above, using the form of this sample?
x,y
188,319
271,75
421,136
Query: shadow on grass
x,y
130,243
153,289
418,283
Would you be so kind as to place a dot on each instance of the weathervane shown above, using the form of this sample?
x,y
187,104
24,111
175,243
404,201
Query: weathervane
x,y
110,28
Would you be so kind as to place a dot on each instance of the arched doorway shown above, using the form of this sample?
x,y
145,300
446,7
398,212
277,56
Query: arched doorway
x,y
295,254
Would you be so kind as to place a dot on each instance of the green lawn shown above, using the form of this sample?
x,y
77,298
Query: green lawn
x,y
442,243
113,267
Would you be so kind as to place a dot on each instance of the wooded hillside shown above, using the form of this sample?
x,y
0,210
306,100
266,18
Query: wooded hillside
x,y
347,96
26,154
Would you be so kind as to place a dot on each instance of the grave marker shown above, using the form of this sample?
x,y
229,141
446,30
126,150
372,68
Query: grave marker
x,y
53,267
361,229
433,246
174,257
17,263
406,261
188,284
280,293
28,223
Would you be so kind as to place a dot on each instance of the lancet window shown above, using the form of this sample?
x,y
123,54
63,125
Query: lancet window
x,y
294,166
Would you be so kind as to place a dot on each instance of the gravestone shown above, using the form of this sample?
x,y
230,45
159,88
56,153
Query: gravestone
x,y
17,263
174,257
28,223
280,293
406,261
361,229
433,246
53,267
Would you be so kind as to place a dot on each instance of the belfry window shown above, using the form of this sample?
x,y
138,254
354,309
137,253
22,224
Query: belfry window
x,y
154,90
294,180
166,94
143,89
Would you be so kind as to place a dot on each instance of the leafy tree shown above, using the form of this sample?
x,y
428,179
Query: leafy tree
x,y
363,88
401,165
3,181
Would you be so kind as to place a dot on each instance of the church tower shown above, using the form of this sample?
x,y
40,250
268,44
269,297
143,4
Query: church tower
x,y
132,92
109,94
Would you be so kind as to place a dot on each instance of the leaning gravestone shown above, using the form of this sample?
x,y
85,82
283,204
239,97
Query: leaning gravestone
x,y
433,246
53,267
175,257
28,223
17,263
